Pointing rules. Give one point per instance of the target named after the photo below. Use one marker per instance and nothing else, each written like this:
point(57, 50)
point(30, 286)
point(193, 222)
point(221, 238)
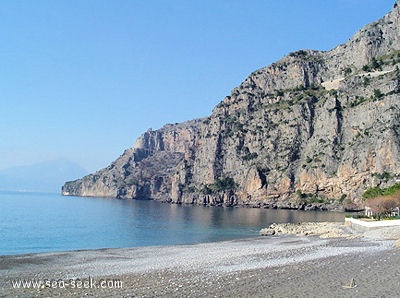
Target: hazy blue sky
point(83, 79)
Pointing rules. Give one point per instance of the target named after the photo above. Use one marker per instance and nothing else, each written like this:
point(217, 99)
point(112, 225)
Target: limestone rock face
point(313, 130)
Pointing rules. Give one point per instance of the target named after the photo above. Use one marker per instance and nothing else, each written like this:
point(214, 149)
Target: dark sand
point(282, 266)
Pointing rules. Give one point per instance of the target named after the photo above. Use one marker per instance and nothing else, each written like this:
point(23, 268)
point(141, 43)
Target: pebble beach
point(273, 266)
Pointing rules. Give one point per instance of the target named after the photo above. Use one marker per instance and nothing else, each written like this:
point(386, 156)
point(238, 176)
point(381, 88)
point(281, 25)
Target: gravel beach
point(274, 266)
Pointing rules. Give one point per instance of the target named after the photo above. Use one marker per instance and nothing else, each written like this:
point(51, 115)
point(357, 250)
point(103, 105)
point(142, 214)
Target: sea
point(44, 222)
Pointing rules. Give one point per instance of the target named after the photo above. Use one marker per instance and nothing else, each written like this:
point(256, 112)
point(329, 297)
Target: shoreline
point(32, 254)
point(277, 266)
point(242, 238)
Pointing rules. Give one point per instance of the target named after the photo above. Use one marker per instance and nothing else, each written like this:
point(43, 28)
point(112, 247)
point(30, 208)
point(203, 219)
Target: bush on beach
point(383, 206)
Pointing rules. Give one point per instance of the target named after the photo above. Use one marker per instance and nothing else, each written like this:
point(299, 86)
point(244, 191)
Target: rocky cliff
point(313, 130)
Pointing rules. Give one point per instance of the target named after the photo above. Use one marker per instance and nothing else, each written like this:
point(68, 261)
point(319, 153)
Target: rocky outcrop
point(311, 131)
point(321, 229)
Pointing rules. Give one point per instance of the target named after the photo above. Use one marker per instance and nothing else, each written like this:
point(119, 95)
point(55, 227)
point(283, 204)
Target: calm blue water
point(32, 222)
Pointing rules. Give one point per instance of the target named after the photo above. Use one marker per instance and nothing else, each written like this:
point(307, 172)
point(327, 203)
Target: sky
point(81, 80)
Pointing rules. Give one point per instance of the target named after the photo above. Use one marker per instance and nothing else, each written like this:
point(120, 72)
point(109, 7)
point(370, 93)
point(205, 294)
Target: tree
point(383, 205)
point(347, 71)
point(366, 68)
point(378, 93)
point(375, 63)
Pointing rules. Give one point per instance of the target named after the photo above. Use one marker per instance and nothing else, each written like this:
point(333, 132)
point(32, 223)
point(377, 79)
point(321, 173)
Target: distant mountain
point(46, 176)
point(312, 130)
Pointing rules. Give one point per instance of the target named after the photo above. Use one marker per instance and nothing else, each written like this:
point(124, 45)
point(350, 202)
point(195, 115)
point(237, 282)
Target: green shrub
point(391, 190)
point(378, 94)
point(250, 156)
point(375, 64)
point(355, 216)
point(386, 176)
point(372, 192)
point(308, 198)
point(333, 92)
point(342, 198)
point(220, 184)
point(366, 68)
point(347, 71)
point(300, 53)
point(376, 191)
point(357, 101)
point(225, 183)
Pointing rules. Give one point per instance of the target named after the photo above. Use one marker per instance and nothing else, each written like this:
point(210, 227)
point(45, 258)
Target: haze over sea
point(37, 222)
